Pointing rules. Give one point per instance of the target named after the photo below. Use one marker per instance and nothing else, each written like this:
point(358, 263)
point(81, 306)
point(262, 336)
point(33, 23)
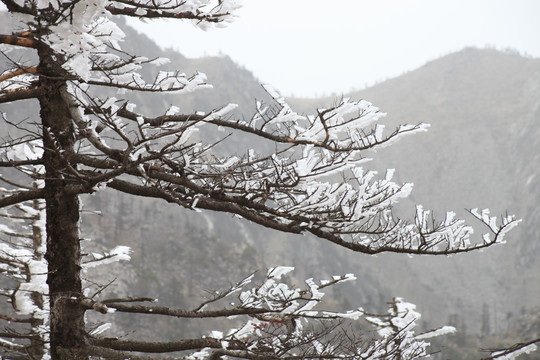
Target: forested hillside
point(483, 106)
point(482, 151)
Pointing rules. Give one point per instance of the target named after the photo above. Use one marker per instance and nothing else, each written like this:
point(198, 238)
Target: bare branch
point(15, 163)
point(156, 347)
point(18, 41)
point(15, 320)
point(22, 196)
point(133, 7)
point(160, 120)
point(181, 313)
point(128, 299)
point(21, 93)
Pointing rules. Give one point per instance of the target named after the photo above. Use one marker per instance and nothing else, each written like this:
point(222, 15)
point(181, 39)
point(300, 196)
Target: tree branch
point(15, 163)
point(19, 71)
point(245, 354)
point(159, 120)
point(331, 146)
point(272, 218)
point(160, 14)
point(181, 313)
point(156, 347)
point(22, 93)
point(128, 299)
point(206, 203)
point(18, 41)
point(17, 320)
point(17, 335)
point(21, 197)
point(509, 351)
point(122, 355)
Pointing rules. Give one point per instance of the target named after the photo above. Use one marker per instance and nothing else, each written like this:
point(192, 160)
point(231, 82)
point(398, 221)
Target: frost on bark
point(313, 181)
point(22, 261)
point(26, 267)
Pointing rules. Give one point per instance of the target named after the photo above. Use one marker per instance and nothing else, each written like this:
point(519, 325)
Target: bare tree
point(90, 141)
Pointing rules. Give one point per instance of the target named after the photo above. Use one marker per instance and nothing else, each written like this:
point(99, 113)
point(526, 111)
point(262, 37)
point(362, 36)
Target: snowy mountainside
point(482, 150)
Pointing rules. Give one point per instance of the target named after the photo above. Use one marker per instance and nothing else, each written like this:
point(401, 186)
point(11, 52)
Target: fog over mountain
point(482, 150)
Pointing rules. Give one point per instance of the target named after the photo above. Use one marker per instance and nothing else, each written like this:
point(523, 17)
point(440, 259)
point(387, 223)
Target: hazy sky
point(309, 47)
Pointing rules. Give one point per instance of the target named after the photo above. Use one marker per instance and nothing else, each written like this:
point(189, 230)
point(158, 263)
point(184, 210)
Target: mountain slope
point(481, 151)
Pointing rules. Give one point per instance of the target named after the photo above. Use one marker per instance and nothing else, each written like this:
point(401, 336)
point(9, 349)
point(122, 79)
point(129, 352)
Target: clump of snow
point(119, 253)
point(500, 355)
point(101, 329)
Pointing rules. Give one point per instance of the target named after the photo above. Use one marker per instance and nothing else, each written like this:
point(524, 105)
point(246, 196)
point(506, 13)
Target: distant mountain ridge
point(482, 150)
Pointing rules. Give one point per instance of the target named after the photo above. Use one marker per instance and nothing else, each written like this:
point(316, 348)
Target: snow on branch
point(22, 250)
point(119, 253)
point(88, 46)
point(313, 181)
point(284, 322)
point(514, 351)
point(23, 247)
point(18, 84)
point(397, 334)
point(307, 178)
point(203, 14)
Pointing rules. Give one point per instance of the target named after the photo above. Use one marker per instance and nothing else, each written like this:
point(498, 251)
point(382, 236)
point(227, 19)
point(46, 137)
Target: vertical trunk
point(62, 210)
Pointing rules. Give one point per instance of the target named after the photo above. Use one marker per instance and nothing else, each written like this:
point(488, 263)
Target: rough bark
point(62, 210)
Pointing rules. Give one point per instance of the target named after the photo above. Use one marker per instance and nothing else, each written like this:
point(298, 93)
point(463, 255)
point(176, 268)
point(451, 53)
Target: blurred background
point(470, 69)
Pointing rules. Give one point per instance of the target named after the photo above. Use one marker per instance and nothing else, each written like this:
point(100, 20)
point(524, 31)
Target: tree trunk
point(62, 210)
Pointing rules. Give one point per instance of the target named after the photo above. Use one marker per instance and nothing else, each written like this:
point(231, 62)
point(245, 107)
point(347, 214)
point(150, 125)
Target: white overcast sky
point(315, 47)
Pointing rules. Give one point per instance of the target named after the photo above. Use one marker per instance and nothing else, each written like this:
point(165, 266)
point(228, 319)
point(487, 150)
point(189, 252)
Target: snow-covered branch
point(307, 175)
point(283, 322)
point(201, 13)
point(293, 189)
point(312, 182)
point(514, 351)
point(23, 261)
